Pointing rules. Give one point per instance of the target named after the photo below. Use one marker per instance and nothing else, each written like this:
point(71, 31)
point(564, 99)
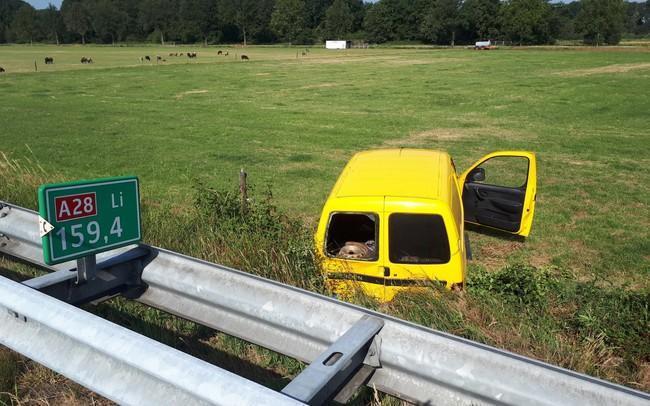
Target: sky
point(43, 3)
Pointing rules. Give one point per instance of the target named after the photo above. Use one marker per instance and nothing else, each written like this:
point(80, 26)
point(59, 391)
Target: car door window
point(505, 171)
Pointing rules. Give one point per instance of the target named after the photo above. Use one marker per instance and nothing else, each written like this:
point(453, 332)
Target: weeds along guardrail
point(394, 356)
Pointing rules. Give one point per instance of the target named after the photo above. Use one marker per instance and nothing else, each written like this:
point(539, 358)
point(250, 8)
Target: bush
point(520, 283)
point(260, 240)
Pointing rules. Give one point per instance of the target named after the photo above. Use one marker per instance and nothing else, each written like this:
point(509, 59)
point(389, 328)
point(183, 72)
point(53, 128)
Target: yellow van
point(395, 217)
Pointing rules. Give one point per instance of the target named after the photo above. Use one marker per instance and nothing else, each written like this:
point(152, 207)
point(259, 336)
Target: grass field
point(293, 121)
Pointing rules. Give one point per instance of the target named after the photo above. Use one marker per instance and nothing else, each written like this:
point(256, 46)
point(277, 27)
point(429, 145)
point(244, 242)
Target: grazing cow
point(2, 70)
point(181, 54)
point(244, 58)
point(226, 54)
point(303, 54)
point(191, 55)
point(90, 60)
point(171, 54)
point(49, 60)
point(219, 53)
point(147, 58)
point(158, 58)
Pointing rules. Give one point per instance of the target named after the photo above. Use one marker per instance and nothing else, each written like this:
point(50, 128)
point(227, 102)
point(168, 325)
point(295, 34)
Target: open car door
point(499, 191)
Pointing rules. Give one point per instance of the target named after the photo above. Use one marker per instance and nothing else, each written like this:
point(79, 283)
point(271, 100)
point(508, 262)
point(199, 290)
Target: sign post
point(81, 219)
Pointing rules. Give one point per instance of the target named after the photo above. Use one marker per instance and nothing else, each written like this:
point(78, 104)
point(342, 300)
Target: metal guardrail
point(115, 362)
point(416, 363)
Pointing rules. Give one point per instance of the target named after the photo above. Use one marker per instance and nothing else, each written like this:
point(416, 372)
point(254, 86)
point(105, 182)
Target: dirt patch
point(407, 61)
point(189, 92)
point(494, 254)
point(262, 74)
point(435, 134)
point(319, 86)
point(541, 255)
point(346, 59)
point(616, 68)
point(450, 134)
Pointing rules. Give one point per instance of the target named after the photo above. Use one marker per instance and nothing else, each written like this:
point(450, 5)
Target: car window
point(417, 239)
point(353, 236)
point(506, 171)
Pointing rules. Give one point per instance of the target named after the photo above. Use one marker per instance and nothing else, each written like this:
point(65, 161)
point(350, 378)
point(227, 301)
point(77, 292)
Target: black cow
point(219, 53)
point(49, 60)
point(147, 58)
point(244, 58)
point(86, 60)
point(2, 70)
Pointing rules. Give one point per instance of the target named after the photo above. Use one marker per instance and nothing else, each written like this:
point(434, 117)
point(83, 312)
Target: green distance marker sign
point(87, 217)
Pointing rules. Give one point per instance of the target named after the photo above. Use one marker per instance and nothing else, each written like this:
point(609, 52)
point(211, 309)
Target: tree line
point(443, 22)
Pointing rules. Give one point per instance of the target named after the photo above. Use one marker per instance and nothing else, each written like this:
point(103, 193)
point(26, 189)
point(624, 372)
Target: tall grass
point(585, 325)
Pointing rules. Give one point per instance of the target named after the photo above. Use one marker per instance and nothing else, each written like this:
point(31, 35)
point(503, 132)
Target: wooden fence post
point(243, 191)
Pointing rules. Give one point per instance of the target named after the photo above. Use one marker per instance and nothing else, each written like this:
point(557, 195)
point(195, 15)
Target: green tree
point(244, 15)
point(442, 21)
point(107, 19)
point(395, 20)
point(601, 21)
point(376, 23)
point(198, 19)
point(158, 16)
point(482, 18)
point(526, 21)
point(52, 23)
point(288, 19)
point(24, 23)
point(8, 9)
point(76, 18)
point(338, 20)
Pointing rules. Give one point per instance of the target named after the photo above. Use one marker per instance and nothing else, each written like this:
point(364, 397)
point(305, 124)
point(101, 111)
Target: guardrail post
point(332, 369)
point(86, 269)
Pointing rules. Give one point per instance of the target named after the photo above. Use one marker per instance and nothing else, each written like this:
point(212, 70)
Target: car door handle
point(386, 271)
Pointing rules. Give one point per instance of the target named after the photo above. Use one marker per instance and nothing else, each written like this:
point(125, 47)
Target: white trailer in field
point(330, 44)
point(483, 45)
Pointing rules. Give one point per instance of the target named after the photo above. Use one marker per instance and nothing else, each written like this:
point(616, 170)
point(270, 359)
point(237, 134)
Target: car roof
point(399, 172)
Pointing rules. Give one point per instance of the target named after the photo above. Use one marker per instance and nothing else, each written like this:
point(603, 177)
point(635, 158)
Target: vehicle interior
point(352, 236)
point(494, 193)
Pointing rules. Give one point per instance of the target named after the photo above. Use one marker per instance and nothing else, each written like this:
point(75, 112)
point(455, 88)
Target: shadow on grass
point(192, 343)
point(13, 275)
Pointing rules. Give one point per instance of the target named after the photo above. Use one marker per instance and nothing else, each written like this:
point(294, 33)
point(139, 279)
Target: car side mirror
point(477, 175)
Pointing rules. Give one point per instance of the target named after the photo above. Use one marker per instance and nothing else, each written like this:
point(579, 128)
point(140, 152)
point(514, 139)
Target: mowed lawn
point(293, 120)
